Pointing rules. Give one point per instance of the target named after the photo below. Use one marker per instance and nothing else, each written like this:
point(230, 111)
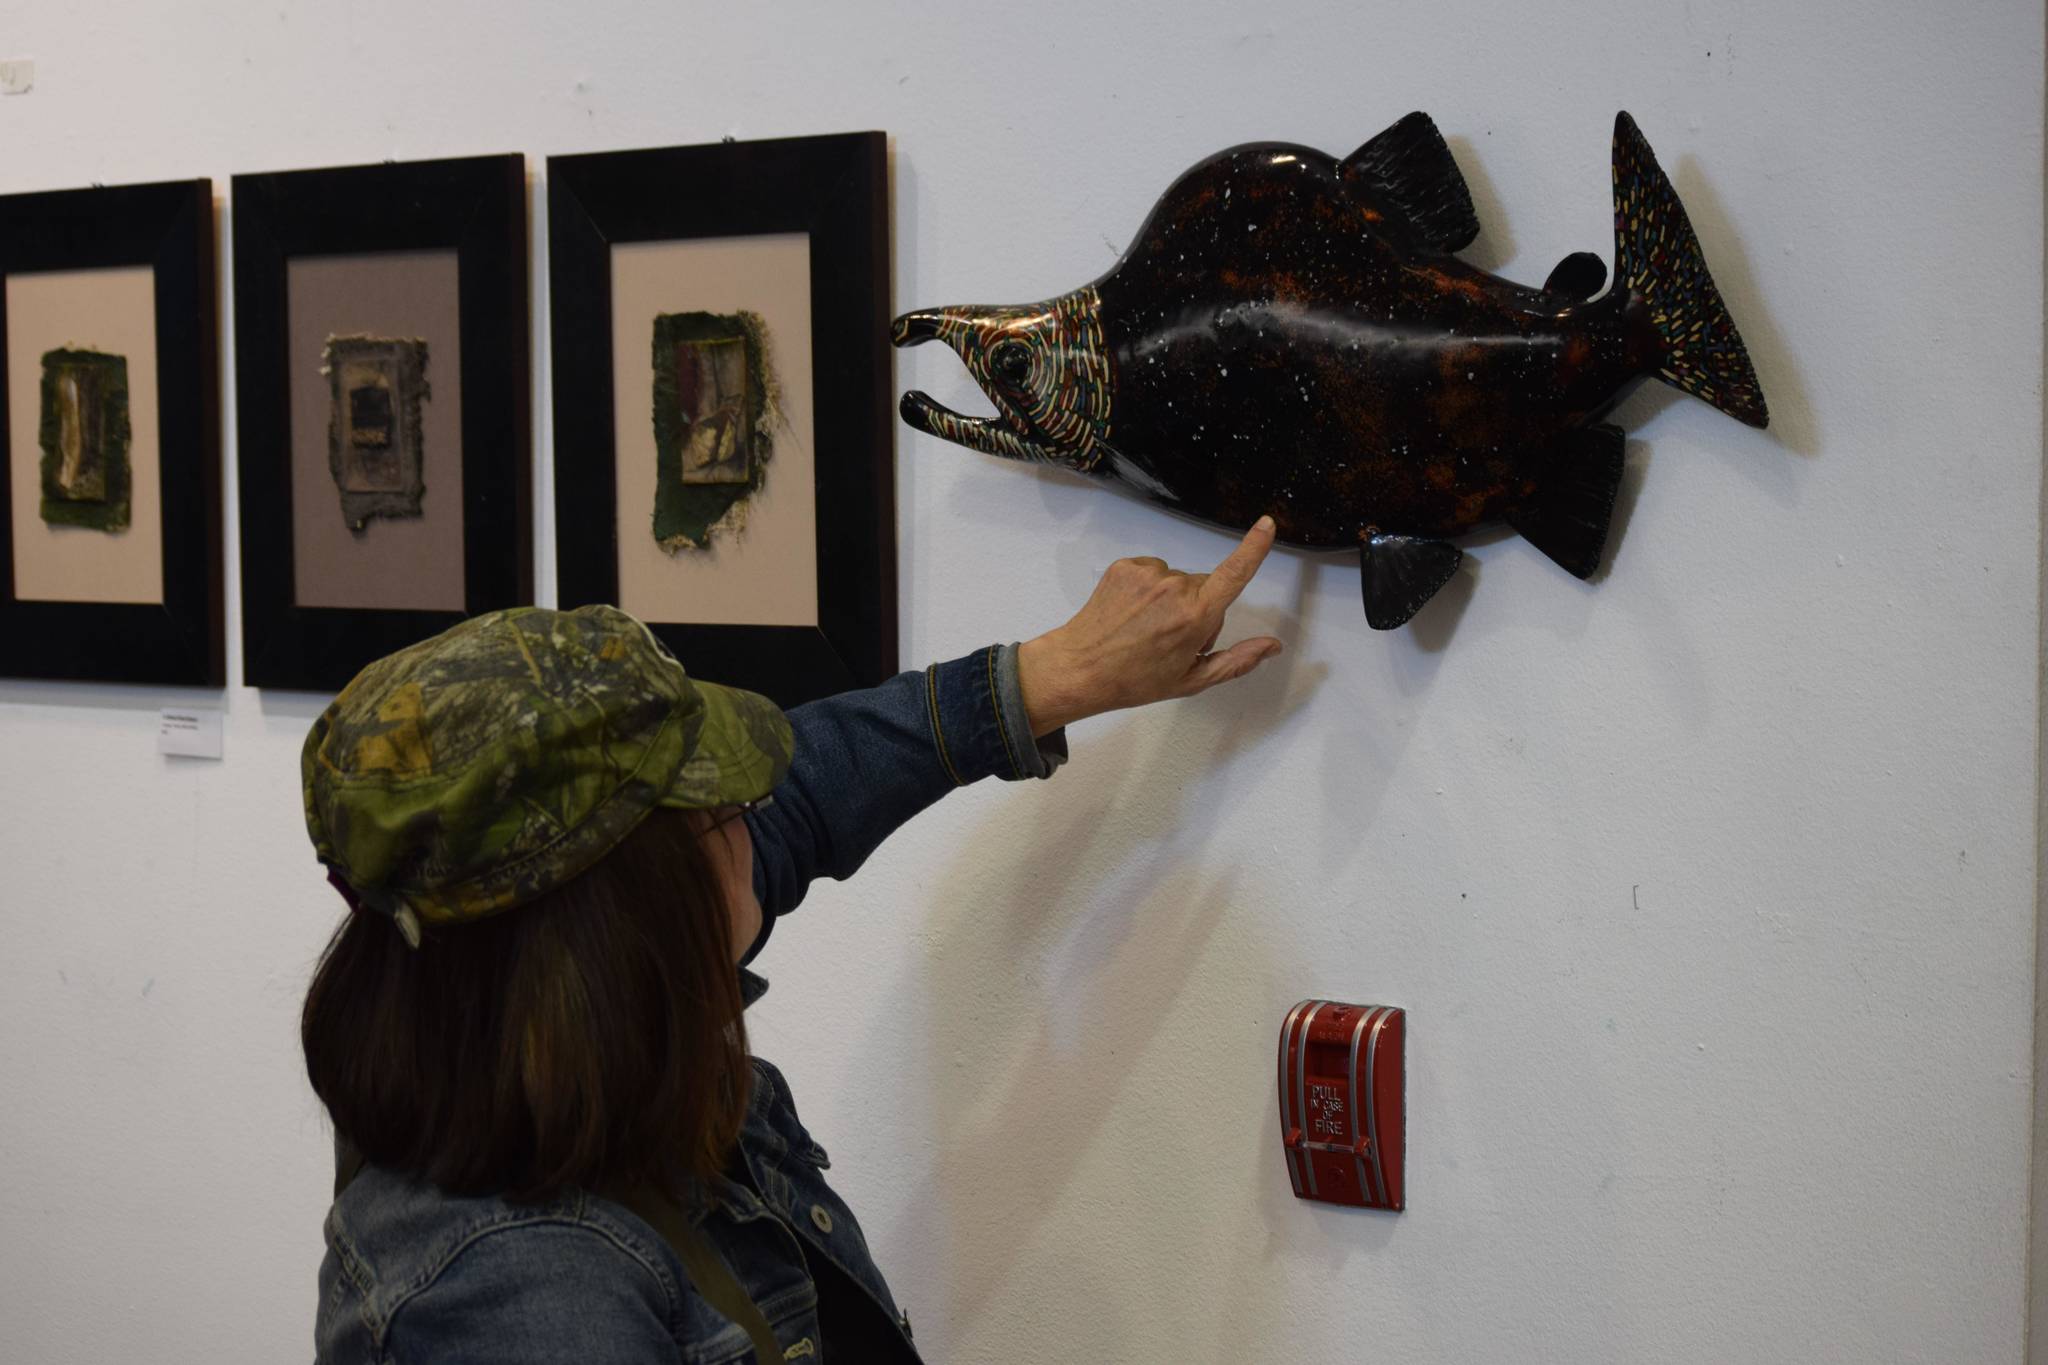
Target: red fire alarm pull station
point(1341, 1092)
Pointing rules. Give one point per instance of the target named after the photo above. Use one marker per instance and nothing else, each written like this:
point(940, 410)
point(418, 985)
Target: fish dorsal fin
point(1410, 165)
point(1568, 516)
point(1578, 277)
point(1400, 573)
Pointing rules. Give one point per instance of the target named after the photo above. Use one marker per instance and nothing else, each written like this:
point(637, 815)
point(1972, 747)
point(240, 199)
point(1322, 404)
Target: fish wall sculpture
point(1292, 334)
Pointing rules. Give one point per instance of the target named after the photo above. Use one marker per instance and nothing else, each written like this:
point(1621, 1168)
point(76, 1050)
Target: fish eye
point(1010, 361)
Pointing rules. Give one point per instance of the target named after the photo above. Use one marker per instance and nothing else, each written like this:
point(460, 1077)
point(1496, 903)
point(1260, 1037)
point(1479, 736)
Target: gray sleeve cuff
point(1034, 759)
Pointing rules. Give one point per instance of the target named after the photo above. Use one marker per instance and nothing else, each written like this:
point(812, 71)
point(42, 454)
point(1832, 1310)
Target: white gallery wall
point(1709, 885)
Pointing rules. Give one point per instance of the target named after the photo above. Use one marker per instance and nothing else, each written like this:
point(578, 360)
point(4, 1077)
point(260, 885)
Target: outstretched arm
point(867, 761)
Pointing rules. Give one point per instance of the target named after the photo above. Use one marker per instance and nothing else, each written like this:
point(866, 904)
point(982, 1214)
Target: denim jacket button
point(821, 1218)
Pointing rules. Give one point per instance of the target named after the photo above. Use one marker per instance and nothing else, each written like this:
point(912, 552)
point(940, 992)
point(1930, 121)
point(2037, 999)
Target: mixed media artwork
point(110, 456)
point(356, 286)
point(713, 392)
point(84, 439)
point(723, 461)
point(1291, 334)
point(374, 432)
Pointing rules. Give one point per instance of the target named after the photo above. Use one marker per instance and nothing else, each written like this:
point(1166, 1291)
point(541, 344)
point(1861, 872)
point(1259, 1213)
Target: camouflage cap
point(474, 771)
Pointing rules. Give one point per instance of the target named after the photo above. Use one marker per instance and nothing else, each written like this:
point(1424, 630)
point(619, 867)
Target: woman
point(551, 1141)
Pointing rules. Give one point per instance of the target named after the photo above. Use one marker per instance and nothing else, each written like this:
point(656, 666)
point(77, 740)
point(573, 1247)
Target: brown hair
point(591, 1038)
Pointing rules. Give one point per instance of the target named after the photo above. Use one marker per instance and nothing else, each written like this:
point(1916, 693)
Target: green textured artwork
point(374, 439)
point(84, 436)
point(713, 390)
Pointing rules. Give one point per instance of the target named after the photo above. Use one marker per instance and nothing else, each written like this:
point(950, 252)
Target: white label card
point(190, 733)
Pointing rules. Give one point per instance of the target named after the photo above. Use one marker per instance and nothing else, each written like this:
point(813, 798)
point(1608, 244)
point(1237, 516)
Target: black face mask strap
point(348, 1163)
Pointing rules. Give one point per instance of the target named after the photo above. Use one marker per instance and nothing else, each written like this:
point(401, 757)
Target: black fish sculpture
point(1291, 334)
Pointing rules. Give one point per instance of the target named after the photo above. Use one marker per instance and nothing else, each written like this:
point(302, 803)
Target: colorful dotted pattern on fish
point(1658, 258)
point(1048, 371)
point(1070, 378)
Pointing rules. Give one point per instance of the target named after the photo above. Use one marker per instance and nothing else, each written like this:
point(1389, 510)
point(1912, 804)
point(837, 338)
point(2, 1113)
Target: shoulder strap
point(708, 1273)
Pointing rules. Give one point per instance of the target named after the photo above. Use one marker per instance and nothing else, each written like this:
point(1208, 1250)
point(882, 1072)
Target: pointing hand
point(1146, 634)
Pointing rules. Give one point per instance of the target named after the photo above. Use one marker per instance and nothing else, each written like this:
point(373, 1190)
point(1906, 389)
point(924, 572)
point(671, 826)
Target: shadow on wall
point(1056, 959)
point(1793, 424)
point(143, 700)
point(1494, 247)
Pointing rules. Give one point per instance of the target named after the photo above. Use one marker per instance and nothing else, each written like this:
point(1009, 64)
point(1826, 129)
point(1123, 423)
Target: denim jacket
point(413, 1274)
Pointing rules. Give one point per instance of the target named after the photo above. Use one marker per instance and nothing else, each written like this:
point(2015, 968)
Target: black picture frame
point(475, 205)
point(834, 188)
point(168, 226)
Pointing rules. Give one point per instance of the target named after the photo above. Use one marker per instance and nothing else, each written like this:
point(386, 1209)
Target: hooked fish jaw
point(989, 435)
point(1042, 366)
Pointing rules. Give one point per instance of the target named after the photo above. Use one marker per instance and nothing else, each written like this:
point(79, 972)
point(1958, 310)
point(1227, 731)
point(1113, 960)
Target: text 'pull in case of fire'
point(1342, 1084)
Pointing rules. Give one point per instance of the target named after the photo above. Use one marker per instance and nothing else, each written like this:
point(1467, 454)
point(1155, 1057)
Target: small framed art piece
point(110, 508)
point(724, 467)
point(381, 386)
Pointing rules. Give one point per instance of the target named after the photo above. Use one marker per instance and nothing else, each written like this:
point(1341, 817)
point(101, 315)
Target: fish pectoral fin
point(1400, 573)
point(1569, 514)
point(1410, 166)
point(1578, 277)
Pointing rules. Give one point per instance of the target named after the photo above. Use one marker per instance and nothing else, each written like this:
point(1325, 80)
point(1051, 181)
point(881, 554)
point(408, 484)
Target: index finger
point(1223, 586)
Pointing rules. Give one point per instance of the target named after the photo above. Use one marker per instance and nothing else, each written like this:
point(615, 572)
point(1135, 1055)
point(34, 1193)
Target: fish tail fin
point(1657, 257)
